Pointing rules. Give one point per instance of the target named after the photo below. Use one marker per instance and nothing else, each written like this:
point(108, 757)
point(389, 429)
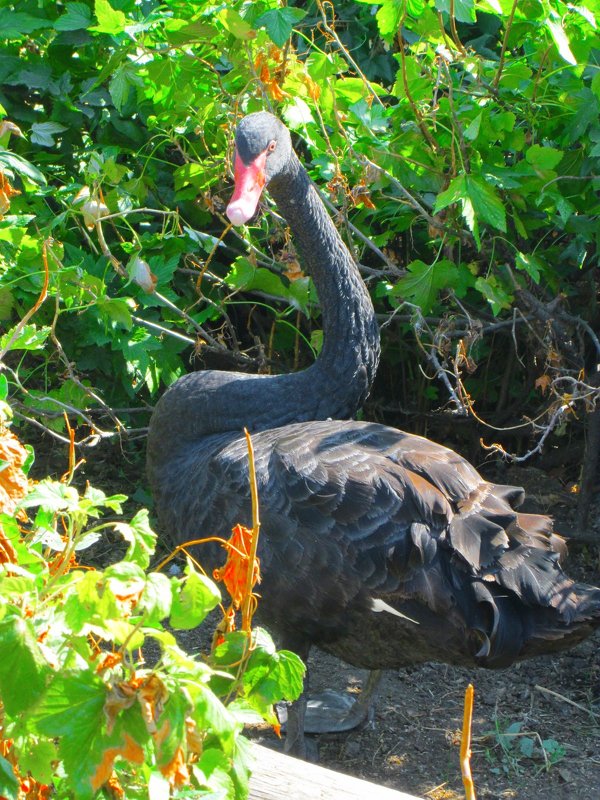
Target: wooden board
point(279, 777)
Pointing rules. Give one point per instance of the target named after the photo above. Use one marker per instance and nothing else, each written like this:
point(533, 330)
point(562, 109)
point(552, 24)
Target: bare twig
point(567, 700)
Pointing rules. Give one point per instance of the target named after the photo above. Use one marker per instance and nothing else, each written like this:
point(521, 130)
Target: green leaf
point(270, 676)
point(389, 17)
point(215, 766)
point(464, 10)
point(109, 20)
point(77, 16)
point(72, 705)
point(140, 538)
point(157, 598)
point(561, 41)
point(73, 711)
point(478, 200)
point(115, 310)
point(279, 23)
point(244, 275)
point(7, 302)
point(16, 24)
point(209, 713)
point(193, 599)
point(88, 605)
point(373, 117)
point(543, 157)
point(38, 759)
point(52, 495)
point(425, 281)
point(235, 24)
point(125, 580)
point(23, 669)
point(21, 166)
point(472, 129)
point(494, 293)
point(120, 87)
point(486, 202)
point(526, 746)
point(530, 264)
point(30, 337)
point(9, 783)
point(43, 132)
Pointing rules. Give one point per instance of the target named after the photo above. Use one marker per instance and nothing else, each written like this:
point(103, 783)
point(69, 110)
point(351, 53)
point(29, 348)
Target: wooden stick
point(249, 604)
point(465, 745)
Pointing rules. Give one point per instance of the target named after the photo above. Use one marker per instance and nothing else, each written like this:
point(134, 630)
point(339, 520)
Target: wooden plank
point(276, 776)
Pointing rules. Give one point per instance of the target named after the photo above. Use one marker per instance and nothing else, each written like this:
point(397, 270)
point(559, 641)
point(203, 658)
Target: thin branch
point(333, 37)
point(412, 201)
point(509, 23)
point(416, 111)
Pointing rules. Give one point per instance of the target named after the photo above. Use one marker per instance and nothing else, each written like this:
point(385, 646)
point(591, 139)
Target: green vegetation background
point(457, 143)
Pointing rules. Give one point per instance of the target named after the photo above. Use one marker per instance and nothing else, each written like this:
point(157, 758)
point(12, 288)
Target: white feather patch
point(379, 605)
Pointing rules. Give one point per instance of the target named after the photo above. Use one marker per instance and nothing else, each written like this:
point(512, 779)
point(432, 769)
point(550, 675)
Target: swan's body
point(378, 546)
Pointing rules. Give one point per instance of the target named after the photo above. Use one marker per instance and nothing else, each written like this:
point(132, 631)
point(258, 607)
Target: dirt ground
point(413, 745)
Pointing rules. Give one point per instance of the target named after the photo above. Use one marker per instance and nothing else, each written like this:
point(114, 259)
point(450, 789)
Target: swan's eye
point(271, 146)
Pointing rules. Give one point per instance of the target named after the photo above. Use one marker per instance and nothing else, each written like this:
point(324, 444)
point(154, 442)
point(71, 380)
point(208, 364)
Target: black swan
point(378, 546)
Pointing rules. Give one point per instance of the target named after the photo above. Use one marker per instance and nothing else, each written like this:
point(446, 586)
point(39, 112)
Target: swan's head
point(262, 151)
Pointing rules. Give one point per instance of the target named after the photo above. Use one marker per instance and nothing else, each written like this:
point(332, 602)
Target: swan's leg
point(334, 712)
point(296, 743)
point(327, 712)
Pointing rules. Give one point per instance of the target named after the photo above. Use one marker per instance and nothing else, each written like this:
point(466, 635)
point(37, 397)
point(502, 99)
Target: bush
point(82, 712)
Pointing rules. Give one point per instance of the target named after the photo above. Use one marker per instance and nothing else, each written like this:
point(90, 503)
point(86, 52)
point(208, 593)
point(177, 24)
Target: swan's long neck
point(337, 383)
point(348, 360)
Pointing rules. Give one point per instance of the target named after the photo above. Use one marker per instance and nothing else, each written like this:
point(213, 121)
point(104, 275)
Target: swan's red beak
point(249, 182)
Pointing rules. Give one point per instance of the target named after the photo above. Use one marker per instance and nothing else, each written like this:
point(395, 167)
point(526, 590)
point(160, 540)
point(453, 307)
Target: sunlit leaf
point(28, 337)
point(561, 41)
point(44, 132)
point(543, 157)
point(52, 495)
point(193, 599)
point(463, 10)
point(110, 20)
point(140, 538)
point(24, 672)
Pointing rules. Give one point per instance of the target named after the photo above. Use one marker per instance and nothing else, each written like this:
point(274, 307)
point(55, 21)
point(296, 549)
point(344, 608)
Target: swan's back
point(357, 516)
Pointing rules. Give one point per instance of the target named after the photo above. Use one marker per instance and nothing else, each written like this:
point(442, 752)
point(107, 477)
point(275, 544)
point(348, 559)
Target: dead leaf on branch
point(6, 192)
point(13, 482)
point(234, 573)
point(543, 382)
point(129, 749)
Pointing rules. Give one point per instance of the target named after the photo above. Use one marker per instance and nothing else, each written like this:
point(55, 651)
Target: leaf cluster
point(459, 142)
point(81, 709)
